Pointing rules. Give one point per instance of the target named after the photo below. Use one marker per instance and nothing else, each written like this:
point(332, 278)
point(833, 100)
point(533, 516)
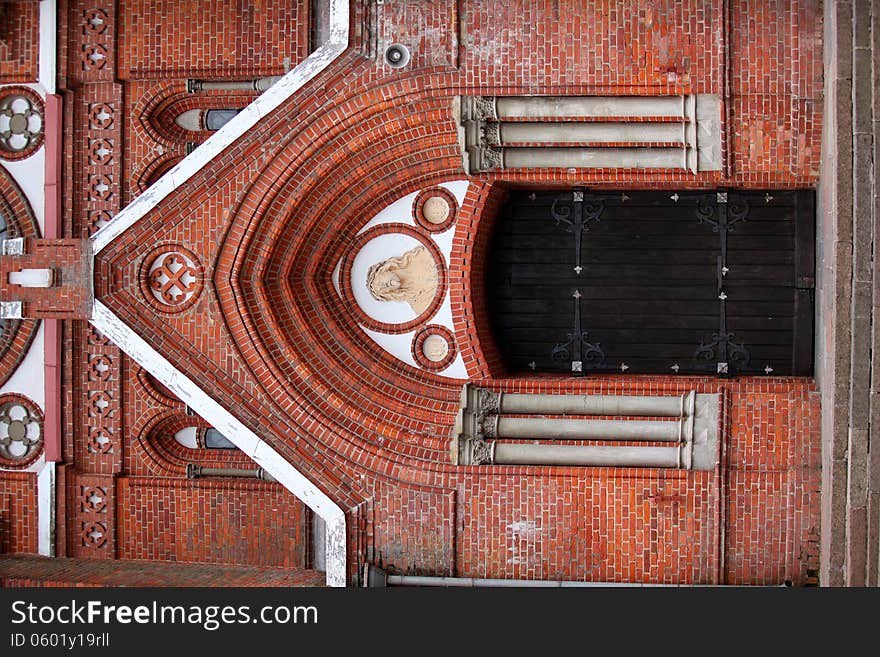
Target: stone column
point(573, 132)
point(481, 452)
point(499, 426)
point(652, 457)
point(640, 405)
point(486, 415)
point(513, 132)
point(195, 471)
point(518, 107)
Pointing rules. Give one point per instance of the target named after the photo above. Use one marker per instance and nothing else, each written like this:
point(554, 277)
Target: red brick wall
point(271, 217)
point(401, 541)
point(18, 513)
point(776, 90)
point(754, 520)
point(40, 571)
point(241, 522)
point(19, 41)
point(214, 38)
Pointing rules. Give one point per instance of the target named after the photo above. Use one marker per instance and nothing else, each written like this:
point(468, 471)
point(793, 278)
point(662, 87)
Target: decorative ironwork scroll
point(578, 348)
point(722, 348)
point(576, 218)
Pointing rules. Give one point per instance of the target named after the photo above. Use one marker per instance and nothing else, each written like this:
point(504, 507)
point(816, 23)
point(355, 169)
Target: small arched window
point(216, 440)
point(196, 438)
point(217, 118)
point(198, 120)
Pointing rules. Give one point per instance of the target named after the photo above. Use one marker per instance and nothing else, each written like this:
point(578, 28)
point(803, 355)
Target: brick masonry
point(18, 513)
point(23, 571)
point(19, 42)
point(269, 220)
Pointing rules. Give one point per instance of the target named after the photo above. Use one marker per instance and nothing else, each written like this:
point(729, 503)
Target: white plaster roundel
point(378, 250)
point(435, 348)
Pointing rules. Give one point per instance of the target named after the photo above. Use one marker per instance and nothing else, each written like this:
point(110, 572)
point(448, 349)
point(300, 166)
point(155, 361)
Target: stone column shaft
point(509, 107)
point(593, 158)
point(679, 406)
point(656, 457)
point(565, 429)
point(254, 84)
point(589, 132)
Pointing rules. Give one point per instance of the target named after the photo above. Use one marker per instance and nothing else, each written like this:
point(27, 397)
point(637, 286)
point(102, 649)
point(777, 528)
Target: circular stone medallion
point(435, 209)
point(435, 348)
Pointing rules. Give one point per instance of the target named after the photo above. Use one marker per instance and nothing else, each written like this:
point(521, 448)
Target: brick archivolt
point(17, 335)
point(316, 168)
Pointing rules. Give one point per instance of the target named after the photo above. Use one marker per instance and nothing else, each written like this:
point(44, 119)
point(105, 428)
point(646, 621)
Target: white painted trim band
point(157, 365)
point(46, 510)
point(46, 66)
point(264, 104)
point(226, 423)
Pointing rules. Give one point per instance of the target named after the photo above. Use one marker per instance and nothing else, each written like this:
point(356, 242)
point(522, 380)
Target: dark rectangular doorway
point(655, 282)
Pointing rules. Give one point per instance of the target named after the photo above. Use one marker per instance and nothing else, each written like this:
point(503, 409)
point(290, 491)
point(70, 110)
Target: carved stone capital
point(478, 108)
point(490, 158)
point(489, 402)
point(486, 426)
point(482, 453)
point(490, 134)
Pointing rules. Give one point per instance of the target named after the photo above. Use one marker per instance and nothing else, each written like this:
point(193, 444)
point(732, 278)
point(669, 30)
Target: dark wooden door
point(655, 282)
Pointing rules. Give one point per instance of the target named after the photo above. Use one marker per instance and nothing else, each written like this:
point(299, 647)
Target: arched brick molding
point(157, 447)
point(155, 170)
point(158, 110)
point(398, 393)
point(470, 250)
point(17, 335)
point(158, 392)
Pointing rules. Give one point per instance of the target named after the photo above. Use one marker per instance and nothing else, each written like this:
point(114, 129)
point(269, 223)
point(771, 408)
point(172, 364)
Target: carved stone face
point(411, 277)
point(386, 281)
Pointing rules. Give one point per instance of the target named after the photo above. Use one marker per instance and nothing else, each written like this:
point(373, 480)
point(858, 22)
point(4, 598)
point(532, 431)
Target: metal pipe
point(376, 577)
point(653, 457)
point(679, 406)
point(415, 580)
point(565, 429)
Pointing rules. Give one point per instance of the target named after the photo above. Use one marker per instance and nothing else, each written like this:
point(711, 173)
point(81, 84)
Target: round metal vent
point(397, 55)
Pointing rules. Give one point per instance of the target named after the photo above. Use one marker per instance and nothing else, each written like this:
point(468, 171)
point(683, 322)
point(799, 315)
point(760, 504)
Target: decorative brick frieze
point(92, 41)
point(91, 518)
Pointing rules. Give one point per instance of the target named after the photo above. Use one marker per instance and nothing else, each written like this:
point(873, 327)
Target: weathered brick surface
point(247, 523)
point(40, 571)
point(214, 38)
point(18, 513)
point(270, 218)
point(19, 42)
